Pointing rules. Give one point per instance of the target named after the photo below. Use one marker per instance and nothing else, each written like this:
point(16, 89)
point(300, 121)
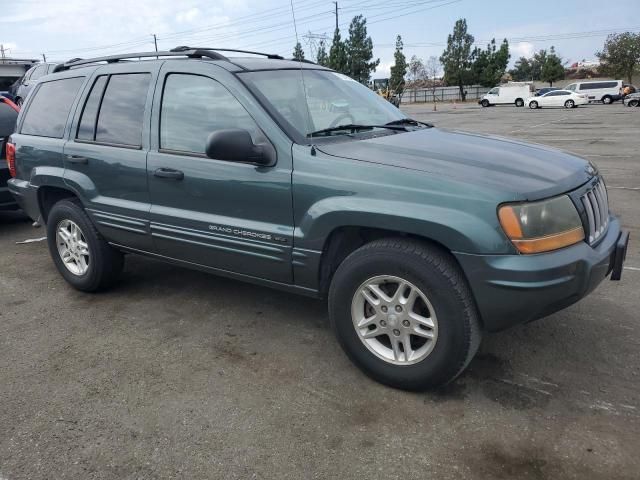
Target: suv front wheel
point(404, 314)
point(81, 255)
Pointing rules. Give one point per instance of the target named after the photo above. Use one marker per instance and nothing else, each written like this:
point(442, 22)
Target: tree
point(321, 57)
point(620, 55)
point(456, 58)
point(522, 70)
point(432, 70)
point(399, 68)
point(416, 69)
point(337, 54)
point(537, 62)
point(298, 52)
point(359, 49)
point(552, 69)
point(489, 65)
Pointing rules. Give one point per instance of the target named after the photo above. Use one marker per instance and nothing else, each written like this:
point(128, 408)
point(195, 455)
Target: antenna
point(304, 87)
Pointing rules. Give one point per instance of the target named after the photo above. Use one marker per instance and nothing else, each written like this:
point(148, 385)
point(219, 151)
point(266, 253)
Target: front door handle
point(169, 173)
point(77, 159)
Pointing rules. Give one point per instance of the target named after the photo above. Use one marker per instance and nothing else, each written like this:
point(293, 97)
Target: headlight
point(542, 226)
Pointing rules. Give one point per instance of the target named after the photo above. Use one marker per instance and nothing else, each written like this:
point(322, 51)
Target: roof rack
point(303, 60)
point(182, 51)
point(233, 50)
point(191, 53)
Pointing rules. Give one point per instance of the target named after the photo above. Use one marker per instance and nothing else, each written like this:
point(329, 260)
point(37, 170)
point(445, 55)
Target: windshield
point(331, 99)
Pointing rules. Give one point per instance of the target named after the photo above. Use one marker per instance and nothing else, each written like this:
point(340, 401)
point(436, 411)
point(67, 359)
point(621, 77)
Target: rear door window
point(121, 113)
point(49, 108)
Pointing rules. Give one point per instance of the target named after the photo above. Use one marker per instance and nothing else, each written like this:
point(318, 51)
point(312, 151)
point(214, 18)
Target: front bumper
point(515, 289)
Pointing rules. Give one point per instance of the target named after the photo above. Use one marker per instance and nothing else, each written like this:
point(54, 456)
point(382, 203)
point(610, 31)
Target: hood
point(528, 171)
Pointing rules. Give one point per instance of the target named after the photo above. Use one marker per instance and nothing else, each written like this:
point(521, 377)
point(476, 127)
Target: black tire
point(634, 103)
point(519, 102)
point(485, 103)
point(607, 100)
point(569, 104)
point(105, 262)
point(434, 272)
point(533, 105)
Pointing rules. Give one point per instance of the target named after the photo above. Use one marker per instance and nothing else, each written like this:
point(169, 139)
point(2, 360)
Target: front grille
point(596, 205)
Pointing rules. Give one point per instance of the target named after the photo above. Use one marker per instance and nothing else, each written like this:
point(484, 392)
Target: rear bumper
point(515, 289)
point(7, 202)
point(26, 197)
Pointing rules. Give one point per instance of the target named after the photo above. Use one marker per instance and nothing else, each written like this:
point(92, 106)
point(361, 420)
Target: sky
point(64, 29)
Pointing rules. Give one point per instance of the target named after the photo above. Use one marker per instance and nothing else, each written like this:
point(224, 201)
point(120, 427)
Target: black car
point(8, 116)
point(542, 91)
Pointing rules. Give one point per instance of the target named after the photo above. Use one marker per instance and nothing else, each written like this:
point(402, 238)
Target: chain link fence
point(442, 94)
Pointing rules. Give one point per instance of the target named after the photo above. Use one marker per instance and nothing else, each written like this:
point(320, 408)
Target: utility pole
point(155, 41)
point(44, 58)
point(2, 51)
point(336, 4)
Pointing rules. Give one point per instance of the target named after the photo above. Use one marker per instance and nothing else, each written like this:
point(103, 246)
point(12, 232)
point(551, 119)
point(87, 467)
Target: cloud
point(188, 16)
point(521, 49)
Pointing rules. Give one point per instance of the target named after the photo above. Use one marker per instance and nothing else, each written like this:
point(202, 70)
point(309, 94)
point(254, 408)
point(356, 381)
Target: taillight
point(11, 158)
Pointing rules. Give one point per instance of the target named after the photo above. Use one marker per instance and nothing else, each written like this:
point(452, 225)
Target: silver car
point(632, 100)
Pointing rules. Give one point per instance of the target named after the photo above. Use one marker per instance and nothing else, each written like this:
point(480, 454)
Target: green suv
point(290, 175)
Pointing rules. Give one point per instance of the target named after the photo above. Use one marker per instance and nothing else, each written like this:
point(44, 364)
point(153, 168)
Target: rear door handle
point(77, 159)
point(169, 173)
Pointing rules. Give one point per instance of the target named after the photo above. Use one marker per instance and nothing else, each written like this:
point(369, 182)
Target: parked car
point(514, 93)
point(542, 91)
point(605, 91)
point(420, 238)
point(8, 116)
point(632, 100)
point(29, 79)
point(558, 98)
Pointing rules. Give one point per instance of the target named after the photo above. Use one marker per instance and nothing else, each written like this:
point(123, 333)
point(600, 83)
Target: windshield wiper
point(353, 128)
point(408, 121)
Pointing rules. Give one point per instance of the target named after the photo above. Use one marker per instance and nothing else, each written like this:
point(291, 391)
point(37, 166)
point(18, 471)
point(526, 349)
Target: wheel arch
point(49, 195)
point(344, 240)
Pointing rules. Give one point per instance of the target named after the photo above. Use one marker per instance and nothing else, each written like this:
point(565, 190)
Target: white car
point(558, 98)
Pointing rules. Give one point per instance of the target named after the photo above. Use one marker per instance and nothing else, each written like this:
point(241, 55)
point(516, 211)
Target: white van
point(605, 91)
point(512, 93)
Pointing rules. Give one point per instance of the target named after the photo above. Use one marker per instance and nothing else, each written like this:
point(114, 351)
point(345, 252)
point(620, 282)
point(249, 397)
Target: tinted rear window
point(122, 110)
point(49, 109)
point(598, 85)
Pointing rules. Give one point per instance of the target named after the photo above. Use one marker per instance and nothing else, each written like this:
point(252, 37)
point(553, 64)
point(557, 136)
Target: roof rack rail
point(188, 52)
point(183, 48)
point(303, 60)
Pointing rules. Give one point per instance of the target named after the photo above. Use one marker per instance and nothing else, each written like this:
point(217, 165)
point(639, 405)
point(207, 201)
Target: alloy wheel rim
point(394, 319)
point(72, 247)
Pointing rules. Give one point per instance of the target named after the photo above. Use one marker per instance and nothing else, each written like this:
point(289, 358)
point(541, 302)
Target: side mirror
point(236, 145)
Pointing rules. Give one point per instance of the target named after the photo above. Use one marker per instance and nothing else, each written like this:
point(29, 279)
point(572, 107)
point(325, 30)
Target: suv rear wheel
point(81, 255)
point(404, 314)
point(519, 102)
point(607, 100)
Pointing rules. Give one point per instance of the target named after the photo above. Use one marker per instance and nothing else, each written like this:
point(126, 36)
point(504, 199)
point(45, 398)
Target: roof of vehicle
point(255, 60)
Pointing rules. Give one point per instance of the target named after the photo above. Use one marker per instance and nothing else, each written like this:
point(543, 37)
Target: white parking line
point(633, 269)
point(623, 188)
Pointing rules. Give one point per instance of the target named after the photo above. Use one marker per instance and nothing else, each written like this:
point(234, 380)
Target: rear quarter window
point(48, 110)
